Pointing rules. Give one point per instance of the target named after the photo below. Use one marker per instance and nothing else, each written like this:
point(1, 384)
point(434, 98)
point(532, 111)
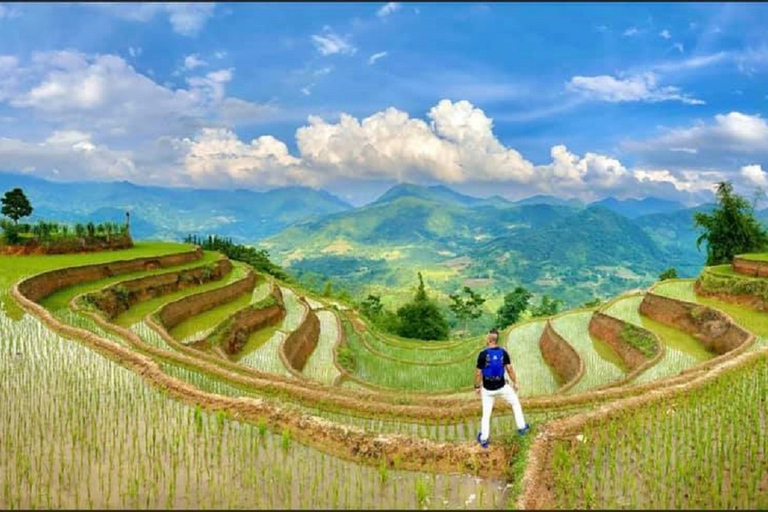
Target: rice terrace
point(272, 256)
point(162, 375)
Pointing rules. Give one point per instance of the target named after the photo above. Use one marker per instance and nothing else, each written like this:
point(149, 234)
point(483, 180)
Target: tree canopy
point(731, 228)
point(515, 302)
point(16, 205)
point(421, 318)
point(466, 305)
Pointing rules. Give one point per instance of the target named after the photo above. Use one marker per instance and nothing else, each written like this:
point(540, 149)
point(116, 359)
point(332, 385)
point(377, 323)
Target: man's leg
point(488, 398)
point(511, 397)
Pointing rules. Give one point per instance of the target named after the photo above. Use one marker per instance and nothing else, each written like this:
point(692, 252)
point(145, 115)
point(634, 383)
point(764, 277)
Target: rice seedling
point(535, 376)
point(574, 328)
point(320, 365)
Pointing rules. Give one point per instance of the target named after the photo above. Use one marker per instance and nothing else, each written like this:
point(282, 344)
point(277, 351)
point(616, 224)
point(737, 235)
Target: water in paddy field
point(79, 431)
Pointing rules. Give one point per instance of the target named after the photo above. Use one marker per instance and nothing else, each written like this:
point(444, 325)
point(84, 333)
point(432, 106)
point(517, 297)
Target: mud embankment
point(173, 313)
point(610, 329)
point(561, 356)
point(40, 286)
point(232, 335)
point(118, 298)
point(299, 345)
point(750, 267)
point(716, 330)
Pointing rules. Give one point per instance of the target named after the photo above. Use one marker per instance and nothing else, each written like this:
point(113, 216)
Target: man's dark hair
point(494, 331)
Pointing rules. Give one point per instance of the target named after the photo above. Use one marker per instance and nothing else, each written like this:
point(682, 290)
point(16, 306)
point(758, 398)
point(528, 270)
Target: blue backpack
point(494, 364)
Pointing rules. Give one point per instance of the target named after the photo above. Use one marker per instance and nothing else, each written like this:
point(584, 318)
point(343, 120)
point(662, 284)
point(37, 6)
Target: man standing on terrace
point(490, 383)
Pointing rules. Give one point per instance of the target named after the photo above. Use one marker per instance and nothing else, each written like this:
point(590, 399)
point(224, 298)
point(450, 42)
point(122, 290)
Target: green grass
point(320, 365)
point(754, 256)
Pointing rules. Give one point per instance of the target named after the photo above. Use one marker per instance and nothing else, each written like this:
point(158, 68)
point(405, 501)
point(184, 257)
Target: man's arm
point(512, 376)
point(478, 379)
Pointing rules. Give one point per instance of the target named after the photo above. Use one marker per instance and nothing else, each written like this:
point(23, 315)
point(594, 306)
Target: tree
point(547, 307)
point(328, 289)
point(466, 308)
point(731, 228)
point(670, 273)
point(592, 303)
point(371, 306)
point(421, 318)
point(515, 302)
point(16, 205)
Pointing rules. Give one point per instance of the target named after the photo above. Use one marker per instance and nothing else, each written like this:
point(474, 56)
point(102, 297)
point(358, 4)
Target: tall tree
point(466, 305)
point(515, 302)
point(731, 228)
point(547, 307)
point(421, 318)
point(16, 205)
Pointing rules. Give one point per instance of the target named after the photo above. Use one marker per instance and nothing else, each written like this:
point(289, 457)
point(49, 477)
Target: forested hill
point(172, 213)
point(564, 248)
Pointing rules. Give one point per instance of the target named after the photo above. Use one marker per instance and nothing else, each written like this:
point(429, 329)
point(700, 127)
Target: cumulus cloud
point(193, 61)
point(641, 87)
point(632, 31)
point(186, 18)
point(376, 56)
point(67, 155)
point(456, 145)
point(733, 133)
point(330, 43)
point(217, 157)
point(387, 9)
point(104, 94)
point(665, 34)
point(755, 175)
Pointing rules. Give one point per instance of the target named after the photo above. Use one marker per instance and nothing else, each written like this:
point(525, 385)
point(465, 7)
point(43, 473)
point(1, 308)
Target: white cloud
point(67, 155)
point(330, 43)
point(387, 9)
point(134, 52)
point(323, 71)
point(193, 61)
point(216, 157)
point(376, 56)
point(306, 91)
point(641, 87)
point(455, 146)
point(665, 34)
point(728, 141)
point(104, 94)
point(632, 31)
point(186, 18)
point(220, 54)
point(755, 175)
point(679, 47)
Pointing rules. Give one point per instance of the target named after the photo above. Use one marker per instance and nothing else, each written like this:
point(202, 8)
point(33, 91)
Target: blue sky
point(574, 100)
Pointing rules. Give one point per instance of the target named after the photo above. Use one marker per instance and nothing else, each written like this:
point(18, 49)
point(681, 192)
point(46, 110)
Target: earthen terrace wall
point(173, 313)
point(717, 332)
point(749, 267)
point(109, 299)
point(608, 329)
point(300, 344)
point(561, 356)
point(40, 286)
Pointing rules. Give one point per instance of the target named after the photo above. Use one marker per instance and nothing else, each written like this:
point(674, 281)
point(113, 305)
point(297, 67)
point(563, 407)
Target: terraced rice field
point(599, 370)
point(681, 350)
point(80, 430)
point(533, 373)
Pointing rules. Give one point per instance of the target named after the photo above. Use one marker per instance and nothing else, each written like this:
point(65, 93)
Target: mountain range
point(562, 247)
